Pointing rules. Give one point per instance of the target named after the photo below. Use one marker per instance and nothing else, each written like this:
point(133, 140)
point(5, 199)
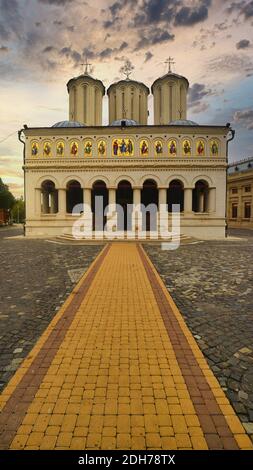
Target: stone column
point(38, 201)
point(62, 201)
point(45, 202)
point(187, 200)
point(112, 213)
point(136, 215)
point(201, 201)
point(87, 214)
point(212, 200)
point(54, 208)
point(162, 224)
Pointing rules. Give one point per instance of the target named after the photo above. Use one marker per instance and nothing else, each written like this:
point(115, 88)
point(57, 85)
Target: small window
point(234, 191)
point(247, 189)
point(234, 211)
point(247, 210)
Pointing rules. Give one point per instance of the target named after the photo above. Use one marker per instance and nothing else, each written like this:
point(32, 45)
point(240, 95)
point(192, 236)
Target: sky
point(43, 43)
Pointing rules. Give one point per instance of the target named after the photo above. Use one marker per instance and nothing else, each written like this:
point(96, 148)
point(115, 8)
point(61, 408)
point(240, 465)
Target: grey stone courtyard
point(211, 283)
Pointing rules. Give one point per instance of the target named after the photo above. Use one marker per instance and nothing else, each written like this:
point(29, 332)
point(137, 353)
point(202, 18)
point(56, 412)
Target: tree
point(7, 200)
point(18, 211)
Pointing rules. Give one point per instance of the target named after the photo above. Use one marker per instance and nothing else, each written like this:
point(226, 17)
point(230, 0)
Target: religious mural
point(47, 149)
point(187, 147)
point(60, 149)
point(35, 149)
point(172, 147)
point(158, 147)
point(200, 147)
point(143, 147)
point(73, 148)
point(214, 148)
point(101, 147)
point(88, 148)
point(122, 147)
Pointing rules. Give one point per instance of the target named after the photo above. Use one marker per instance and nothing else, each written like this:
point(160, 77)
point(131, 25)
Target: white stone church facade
point(173, 161)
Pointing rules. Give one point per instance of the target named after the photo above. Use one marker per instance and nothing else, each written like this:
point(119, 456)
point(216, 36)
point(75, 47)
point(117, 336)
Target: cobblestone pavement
point(117, 368)
point(35, 278)
point(211, 283)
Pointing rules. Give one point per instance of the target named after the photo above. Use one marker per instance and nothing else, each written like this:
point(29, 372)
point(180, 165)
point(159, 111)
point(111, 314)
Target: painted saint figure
point(60, 149)
point(88, 148)
point(214, 148)
point(130, 147)
point(47, 149)
point(35, 149)
point(74, 148)
point(200, 148)
point(172, 147)
point(144, 147)
point(158, 147)
point(115, 147)
point(101, 147)
point(123, 147)
point(187, 147)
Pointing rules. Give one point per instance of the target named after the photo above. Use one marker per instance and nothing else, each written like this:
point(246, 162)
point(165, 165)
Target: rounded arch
point(205, 178)
point(124, 178)
point(175, 194)
point(180, 178)
point(98, 177)
point(74, 194)
point(45, 178)
point(72, 177)
point(150, 177)
point(49, 195)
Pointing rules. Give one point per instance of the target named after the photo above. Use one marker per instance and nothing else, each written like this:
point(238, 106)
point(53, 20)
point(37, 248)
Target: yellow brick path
point(115, 382)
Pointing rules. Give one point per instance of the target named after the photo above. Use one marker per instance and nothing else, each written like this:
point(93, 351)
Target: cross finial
point(170, 61)
point(87, 65)
point(127, 69)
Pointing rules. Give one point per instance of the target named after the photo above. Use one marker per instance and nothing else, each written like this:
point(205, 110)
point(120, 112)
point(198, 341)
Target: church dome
point(183, 122)
point(68, 124)
point(124, 122)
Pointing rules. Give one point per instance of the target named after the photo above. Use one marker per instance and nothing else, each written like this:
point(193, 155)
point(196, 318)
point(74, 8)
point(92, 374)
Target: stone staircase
point(67, 237)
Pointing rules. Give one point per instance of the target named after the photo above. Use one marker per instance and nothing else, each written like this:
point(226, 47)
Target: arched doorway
point(200, 196)
point(74, 195)
point(175, 194)
point(124, 197)
point(149, 197)
point(99, 201)
point(49, 198)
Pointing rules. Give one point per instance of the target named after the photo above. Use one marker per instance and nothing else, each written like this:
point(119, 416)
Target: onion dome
point(183, 122)
point(68, 124)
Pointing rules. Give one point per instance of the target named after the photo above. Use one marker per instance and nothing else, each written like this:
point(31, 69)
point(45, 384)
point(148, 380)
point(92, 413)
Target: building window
point(234, 211)
point(247, 210)
point(247, 189)
point(234, 190)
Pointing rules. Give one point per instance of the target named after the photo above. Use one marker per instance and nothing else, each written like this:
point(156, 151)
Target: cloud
point(200, 108)
point(123, 45)
point(48, 49)
point(12, 21)
point(196, 93)
point(56, 2)
point(156, 36)
point(148, 56)
point(244, 8)
point(231, 63)
point(243, 44)
point(71, 54)
point(188, 16)
point(4, 49)
point(245, 118)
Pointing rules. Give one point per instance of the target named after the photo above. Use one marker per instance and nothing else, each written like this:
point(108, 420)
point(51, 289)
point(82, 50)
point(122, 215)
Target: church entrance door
point(149, 195)
point(124, 197)
point(99, 201)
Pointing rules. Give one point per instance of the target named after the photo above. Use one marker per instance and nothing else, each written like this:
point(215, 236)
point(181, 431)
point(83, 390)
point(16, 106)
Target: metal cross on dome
point(87, 65)
point(170, 61)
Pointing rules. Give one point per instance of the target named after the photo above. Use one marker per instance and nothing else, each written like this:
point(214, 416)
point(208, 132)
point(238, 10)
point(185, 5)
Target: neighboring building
point(240, 194)
point(172, 161)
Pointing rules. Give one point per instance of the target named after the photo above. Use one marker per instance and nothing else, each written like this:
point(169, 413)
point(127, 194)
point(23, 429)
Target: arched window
point(200, 197)
point(49, 198)
point(74, 195)
point(175, 195)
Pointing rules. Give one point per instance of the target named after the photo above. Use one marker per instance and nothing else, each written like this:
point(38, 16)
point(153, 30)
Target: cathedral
point(128, 163)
